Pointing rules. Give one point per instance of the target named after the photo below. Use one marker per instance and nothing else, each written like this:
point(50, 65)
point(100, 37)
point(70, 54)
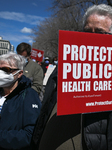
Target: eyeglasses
point(99, 32)
point(8, 70)
point(105, 33)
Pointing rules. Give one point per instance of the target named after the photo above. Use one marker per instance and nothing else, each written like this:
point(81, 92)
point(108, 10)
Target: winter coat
point(18, 117)
point(34, 72)
point(92, 131)
point(54, 132)
point(97, 131)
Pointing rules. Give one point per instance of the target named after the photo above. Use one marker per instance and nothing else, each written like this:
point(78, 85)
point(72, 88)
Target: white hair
point(13, 59)
point(102, 10)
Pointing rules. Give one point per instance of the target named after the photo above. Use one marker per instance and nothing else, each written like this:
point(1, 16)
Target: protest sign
point(84, 72)
point(37, 54)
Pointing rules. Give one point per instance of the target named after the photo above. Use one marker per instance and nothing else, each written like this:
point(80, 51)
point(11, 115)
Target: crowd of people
point(24, 96)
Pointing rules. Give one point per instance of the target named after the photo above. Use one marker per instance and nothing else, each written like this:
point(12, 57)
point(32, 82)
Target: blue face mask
point(47, 61)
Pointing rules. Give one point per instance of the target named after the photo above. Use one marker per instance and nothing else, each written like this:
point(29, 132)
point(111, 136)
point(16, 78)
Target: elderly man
point(97, 127)
point(64, 131)
point(98, 19)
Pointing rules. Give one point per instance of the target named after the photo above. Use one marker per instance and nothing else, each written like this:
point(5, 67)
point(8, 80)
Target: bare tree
point(46, 38)
point(67, 15)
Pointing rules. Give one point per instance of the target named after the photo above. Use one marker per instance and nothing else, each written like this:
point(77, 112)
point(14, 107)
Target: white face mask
point(7, 79)
point(55, 62)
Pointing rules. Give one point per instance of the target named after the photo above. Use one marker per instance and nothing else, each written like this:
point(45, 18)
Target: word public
point(86, 62)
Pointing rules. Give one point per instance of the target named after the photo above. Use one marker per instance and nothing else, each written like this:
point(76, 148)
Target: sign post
point(84, 73)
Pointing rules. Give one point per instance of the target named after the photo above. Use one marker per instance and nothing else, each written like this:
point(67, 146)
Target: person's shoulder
point(34, 63)
point(31, 93)
point(31, 90)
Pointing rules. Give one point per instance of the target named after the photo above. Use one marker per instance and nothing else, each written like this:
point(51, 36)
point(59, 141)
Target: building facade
point(5, 46)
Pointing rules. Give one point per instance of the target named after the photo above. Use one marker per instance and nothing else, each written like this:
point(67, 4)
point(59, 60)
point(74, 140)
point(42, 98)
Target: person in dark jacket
point(19, 104)
point(32, 70)
point(97, 127)
point(54, 132)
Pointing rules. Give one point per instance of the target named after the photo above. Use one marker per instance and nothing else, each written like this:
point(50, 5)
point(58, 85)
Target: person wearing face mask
point(19, 104)
point(55, 60)
point(32, 70)
point(46, 61)
point(45, 64)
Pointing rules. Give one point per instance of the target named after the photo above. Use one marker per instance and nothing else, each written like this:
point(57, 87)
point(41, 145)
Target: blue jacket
point(18, 117)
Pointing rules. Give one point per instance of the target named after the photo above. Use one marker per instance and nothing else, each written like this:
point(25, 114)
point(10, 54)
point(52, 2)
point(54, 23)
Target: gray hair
point(102, 10)
point(13, 59)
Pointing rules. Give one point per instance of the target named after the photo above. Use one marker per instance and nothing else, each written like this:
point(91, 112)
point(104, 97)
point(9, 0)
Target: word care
point(90, 64)
point(86, 86)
